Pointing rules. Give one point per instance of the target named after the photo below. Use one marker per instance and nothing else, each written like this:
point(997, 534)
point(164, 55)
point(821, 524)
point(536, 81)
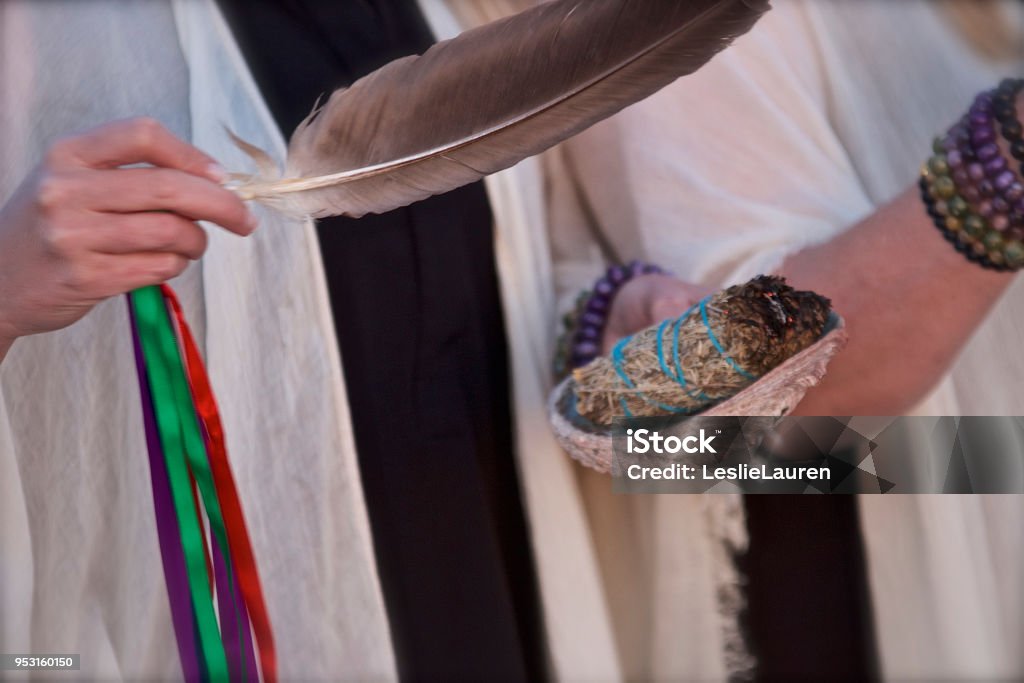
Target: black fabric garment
point(808, 608)
point(418, 318)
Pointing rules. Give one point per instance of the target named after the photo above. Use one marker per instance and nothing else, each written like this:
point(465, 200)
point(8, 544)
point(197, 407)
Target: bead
point(1014, 253)
point(944, 187)
point(603, 287)
point(979, 119)
point(993, 241)
point(592, 319)
point(939, 165)
point(586, 348)
point(985, 208)
point(995, 166)
point(939, 146)
point(996, 257)
point(958, 207)
point(636, 268)
point(954, 224)
point(987, 188)
point(975, 226)
point(978, 248)
point(1000, 205)
point(1012, 130)
point(616, 275)
point(1000, 222)
point(983, 135)
point(955, 159)
point(976, 171)
point(1014, 192)
point(589, 333)
point(1008, 85)
point(988, 152)
point(597, 304)
point(941, 208)
point(960, 177)
point(1016, 218)
point(650, 268)
point(1004, 180)
point(1017, 150)
point(971, 194)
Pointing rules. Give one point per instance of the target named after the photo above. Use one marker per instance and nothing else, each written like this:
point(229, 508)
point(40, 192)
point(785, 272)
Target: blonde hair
point(995, 28)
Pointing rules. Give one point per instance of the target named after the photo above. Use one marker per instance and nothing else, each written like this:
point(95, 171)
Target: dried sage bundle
point(716, 349)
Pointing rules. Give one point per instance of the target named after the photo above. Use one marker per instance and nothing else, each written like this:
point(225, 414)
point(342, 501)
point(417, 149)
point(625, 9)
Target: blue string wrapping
point(677, 376)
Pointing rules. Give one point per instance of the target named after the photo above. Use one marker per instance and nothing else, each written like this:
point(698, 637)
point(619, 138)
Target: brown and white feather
point(491, 97)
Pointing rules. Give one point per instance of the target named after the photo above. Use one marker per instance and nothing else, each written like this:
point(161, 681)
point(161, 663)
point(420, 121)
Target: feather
point(490, 97)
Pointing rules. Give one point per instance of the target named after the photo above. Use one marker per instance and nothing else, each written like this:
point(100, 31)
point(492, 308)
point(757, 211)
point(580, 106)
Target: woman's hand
point(646, 300)
point(81, 229)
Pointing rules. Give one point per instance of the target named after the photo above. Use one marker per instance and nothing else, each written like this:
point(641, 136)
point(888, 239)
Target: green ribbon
point(184, 448)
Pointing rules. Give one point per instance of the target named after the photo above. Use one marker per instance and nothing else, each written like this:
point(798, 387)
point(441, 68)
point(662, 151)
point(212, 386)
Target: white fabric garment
point(811, 122)
point(80, 568)
point(79, 560)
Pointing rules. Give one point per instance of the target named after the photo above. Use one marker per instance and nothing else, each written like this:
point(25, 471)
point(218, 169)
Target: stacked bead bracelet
point(973, 195)
point(584, 326)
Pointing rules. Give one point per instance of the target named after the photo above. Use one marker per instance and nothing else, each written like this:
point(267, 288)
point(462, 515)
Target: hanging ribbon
point(238, 534)
point(189, 442)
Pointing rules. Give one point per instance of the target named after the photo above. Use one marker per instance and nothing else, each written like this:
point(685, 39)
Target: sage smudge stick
point(711, 353)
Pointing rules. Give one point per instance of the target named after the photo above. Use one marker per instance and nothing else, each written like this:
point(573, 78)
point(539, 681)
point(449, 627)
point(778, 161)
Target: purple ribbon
point(171, 552)
point(234, 622)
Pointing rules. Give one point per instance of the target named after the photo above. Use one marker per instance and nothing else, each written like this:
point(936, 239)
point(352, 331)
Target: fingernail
point(217, 173)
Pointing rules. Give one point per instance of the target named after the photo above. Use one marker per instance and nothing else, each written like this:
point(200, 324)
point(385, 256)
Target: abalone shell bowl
point(773, 395)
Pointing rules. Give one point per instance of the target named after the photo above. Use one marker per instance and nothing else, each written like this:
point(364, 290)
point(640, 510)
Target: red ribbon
point(234, 519)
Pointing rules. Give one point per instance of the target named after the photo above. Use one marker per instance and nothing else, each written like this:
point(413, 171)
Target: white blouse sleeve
point(724, 173)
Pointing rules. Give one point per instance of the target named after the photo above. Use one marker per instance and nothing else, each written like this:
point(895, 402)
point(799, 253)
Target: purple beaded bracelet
point(978, 167)
point(593, 316)
point(972, 194)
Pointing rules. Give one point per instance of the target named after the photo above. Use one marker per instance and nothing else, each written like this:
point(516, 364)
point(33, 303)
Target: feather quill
point(487, 99)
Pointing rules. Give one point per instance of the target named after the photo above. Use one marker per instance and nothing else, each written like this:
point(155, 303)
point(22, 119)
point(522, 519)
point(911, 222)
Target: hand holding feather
point(487, 99)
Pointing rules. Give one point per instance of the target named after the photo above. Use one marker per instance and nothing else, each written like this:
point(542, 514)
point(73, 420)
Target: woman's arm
point(910, 300)
point(81, 229)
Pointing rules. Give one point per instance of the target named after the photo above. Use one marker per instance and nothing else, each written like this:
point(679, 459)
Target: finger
point(159, 189)
point(110, 233)
point(135, 141)
point(120, 274)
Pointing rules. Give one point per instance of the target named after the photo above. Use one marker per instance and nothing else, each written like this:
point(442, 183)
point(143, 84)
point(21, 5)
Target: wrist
point(972, 186)
point(585, 326)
